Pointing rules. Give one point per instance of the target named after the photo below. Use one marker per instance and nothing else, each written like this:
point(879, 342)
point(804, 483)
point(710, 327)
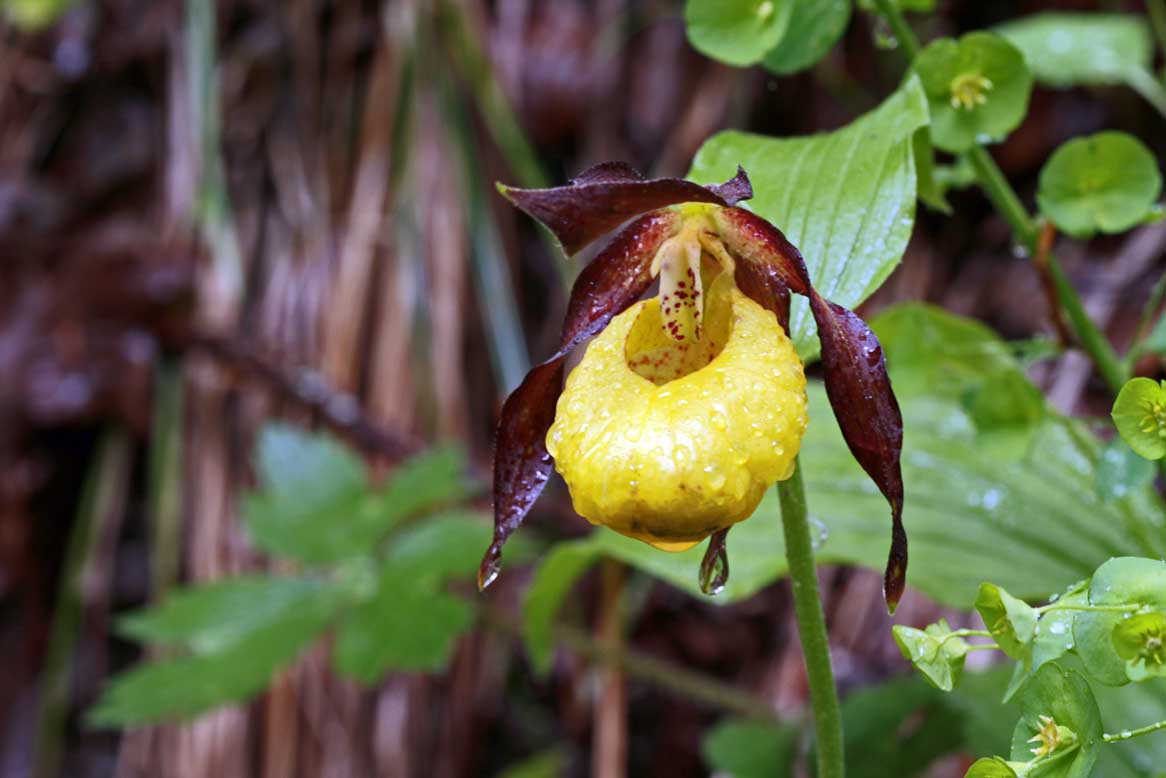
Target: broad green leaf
point(846, 198)
point(1054, 631)
point(34, 14)
point(1006, 409)
point(447, 546)
point(1121, 471)
point(738, 32)
point(1012, 622)
point(558, 572)
point(1124, 581)
point(1059, 704)
point(916, 6)
point(749, 748)
point(316, 505)
point(1079, 49)
point(213, 617)
point(977, 89)
point(933, 652)
point(813, 30)
point(1139, 413)
point(186, 686)
point(1100, 183)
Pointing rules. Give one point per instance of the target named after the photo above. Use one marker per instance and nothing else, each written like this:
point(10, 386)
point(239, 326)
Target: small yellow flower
point(668, 441)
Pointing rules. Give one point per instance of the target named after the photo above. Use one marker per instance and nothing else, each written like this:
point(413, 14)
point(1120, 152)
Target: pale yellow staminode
point(668, 442)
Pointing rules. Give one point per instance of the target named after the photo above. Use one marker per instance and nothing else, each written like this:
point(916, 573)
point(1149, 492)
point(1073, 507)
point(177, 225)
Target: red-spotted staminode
point(686, 407)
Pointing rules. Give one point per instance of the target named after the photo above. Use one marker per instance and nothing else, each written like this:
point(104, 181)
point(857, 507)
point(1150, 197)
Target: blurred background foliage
point(259, 305)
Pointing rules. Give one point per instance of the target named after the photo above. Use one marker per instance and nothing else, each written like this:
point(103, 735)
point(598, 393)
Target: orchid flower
point(687, 406)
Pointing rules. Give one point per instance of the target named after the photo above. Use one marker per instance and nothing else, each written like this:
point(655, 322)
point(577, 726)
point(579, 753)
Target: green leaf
point(1141, 641)
point(1123, 581)
point(1139, 413)
point(235, 670)
point(1125, 708)
point(813, 30)
point(748, 748)
point(990, 767)
point(317, 507)
point(846, 198)
point(1012, 622)
point(213, 617)
point(1006, 409)
point(937, 656)
point(35, 14)
point(1054, 631)
point(553, 579)
point(1064, 698)
point(931, 192)
point(977, 88)
point(1081, 49)
point(737, 32)
point(1105, 182)
point(1121, 471)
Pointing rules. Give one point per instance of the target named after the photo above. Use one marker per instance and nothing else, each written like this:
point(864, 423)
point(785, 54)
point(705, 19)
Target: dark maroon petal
point(764, 286)
point(521, 462)
point(735, 189)
point(611, 283)
point(864, 403)
point(606, 196)
point(616, 278)
point(855, 371)
point(758, 242)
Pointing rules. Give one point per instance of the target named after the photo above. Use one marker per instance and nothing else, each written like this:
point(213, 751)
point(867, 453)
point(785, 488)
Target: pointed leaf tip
point(714, 568)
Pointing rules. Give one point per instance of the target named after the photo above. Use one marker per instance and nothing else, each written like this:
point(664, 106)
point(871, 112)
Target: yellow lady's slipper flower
point(687, 406)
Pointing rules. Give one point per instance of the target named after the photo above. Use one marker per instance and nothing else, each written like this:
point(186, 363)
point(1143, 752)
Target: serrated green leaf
point(1120, 471)
point(846, 199)
point(1121, 581)
point(1105, 182)
point(1081, 49)
point(214, 617)
point(317, 507)
point(748, 748)
point(1064, 698)
point(737, 32)
point(1139, 413)
point(813, 30)
point(977, 89)
point(184, 687)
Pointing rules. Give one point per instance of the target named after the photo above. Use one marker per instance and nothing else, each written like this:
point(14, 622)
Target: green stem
point(1145, 84)
point(1117, 737)
point(1056, 606)
point(799, 552)
point(1157, 9)
point(902, 31)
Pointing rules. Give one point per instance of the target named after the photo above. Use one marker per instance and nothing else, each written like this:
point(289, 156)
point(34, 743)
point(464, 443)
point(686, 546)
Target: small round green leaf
point(977, 88)
point(813, 30)
point(939, 657)
point(737, 32)
point(1060, 726)
point(1100, 183)
point(1141, 641)
point(1012, 622)
point(1130, 581)
point(1139, 413)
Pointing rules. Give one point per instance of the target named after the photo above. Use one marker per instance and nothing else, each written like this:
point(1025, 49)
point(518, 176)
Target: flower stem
point(1056, 606)
point(799, 551)
point(1117, 737)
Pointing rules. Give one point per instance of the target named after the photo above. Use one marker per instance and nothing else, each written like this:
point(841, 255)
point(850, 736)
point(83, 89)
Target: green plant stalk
point(1024, 231)
point(164, 484)
point(799, 552)
point(1117, 737)
point(1157, 10)
point(1145, 84)
point(103, 484)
